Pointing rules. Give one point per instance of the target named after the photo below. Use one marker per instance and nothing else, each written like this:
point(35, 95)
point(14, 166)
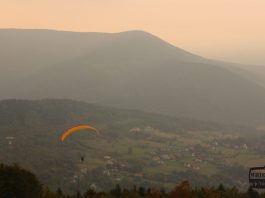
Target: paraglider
point(82, 158)
point(77, 128)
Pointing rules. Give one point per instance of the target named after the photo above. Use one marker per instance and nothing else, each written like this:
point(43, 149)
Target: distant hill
point(133, 70)
point(253, 73)
point(67, 113)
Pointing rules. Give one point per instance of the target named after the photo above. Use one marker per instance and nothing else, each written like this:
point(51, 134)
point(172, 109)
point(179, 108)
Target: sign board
point(257, 177)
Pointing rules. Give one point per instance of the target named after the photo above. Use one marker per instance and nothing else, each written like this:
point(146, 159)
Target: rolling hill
point(135, 148)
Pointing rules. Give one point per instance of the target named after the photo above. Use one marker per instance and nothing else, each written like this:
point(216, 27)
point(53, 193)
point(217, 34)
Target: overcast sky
point(232, 30)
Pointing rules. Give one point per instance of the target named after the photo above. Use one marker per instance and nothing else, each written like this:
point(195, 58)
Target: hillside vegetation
point(18, 182)
point(135, 148)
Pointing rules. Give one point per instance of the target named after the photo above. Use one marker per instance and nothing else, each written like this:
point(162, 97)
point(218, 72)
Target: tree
point(116, 192)
point(182, 191)
point(252, 193)
point(59, 192)
point(90, 193)
point(221, 190)
point(141, 191)
point(17, 182)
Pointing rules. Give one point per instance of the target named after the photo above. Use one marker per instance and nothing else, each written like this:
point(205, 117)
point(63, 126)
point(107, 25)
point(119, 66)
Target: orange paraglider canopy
point(77, 128)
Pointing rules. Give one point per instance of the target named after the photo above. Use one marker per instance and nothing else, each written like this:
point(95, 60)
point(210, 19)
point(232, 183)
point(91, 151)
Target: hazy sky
point(231, 30)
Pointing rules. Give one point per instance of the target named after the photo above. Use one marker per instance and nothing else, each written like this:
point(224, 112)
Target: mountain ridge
point(134, 70)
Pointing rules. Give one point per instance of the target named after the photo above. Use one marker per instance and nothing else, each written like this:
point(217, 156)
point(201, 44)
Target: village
point(189, 157)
